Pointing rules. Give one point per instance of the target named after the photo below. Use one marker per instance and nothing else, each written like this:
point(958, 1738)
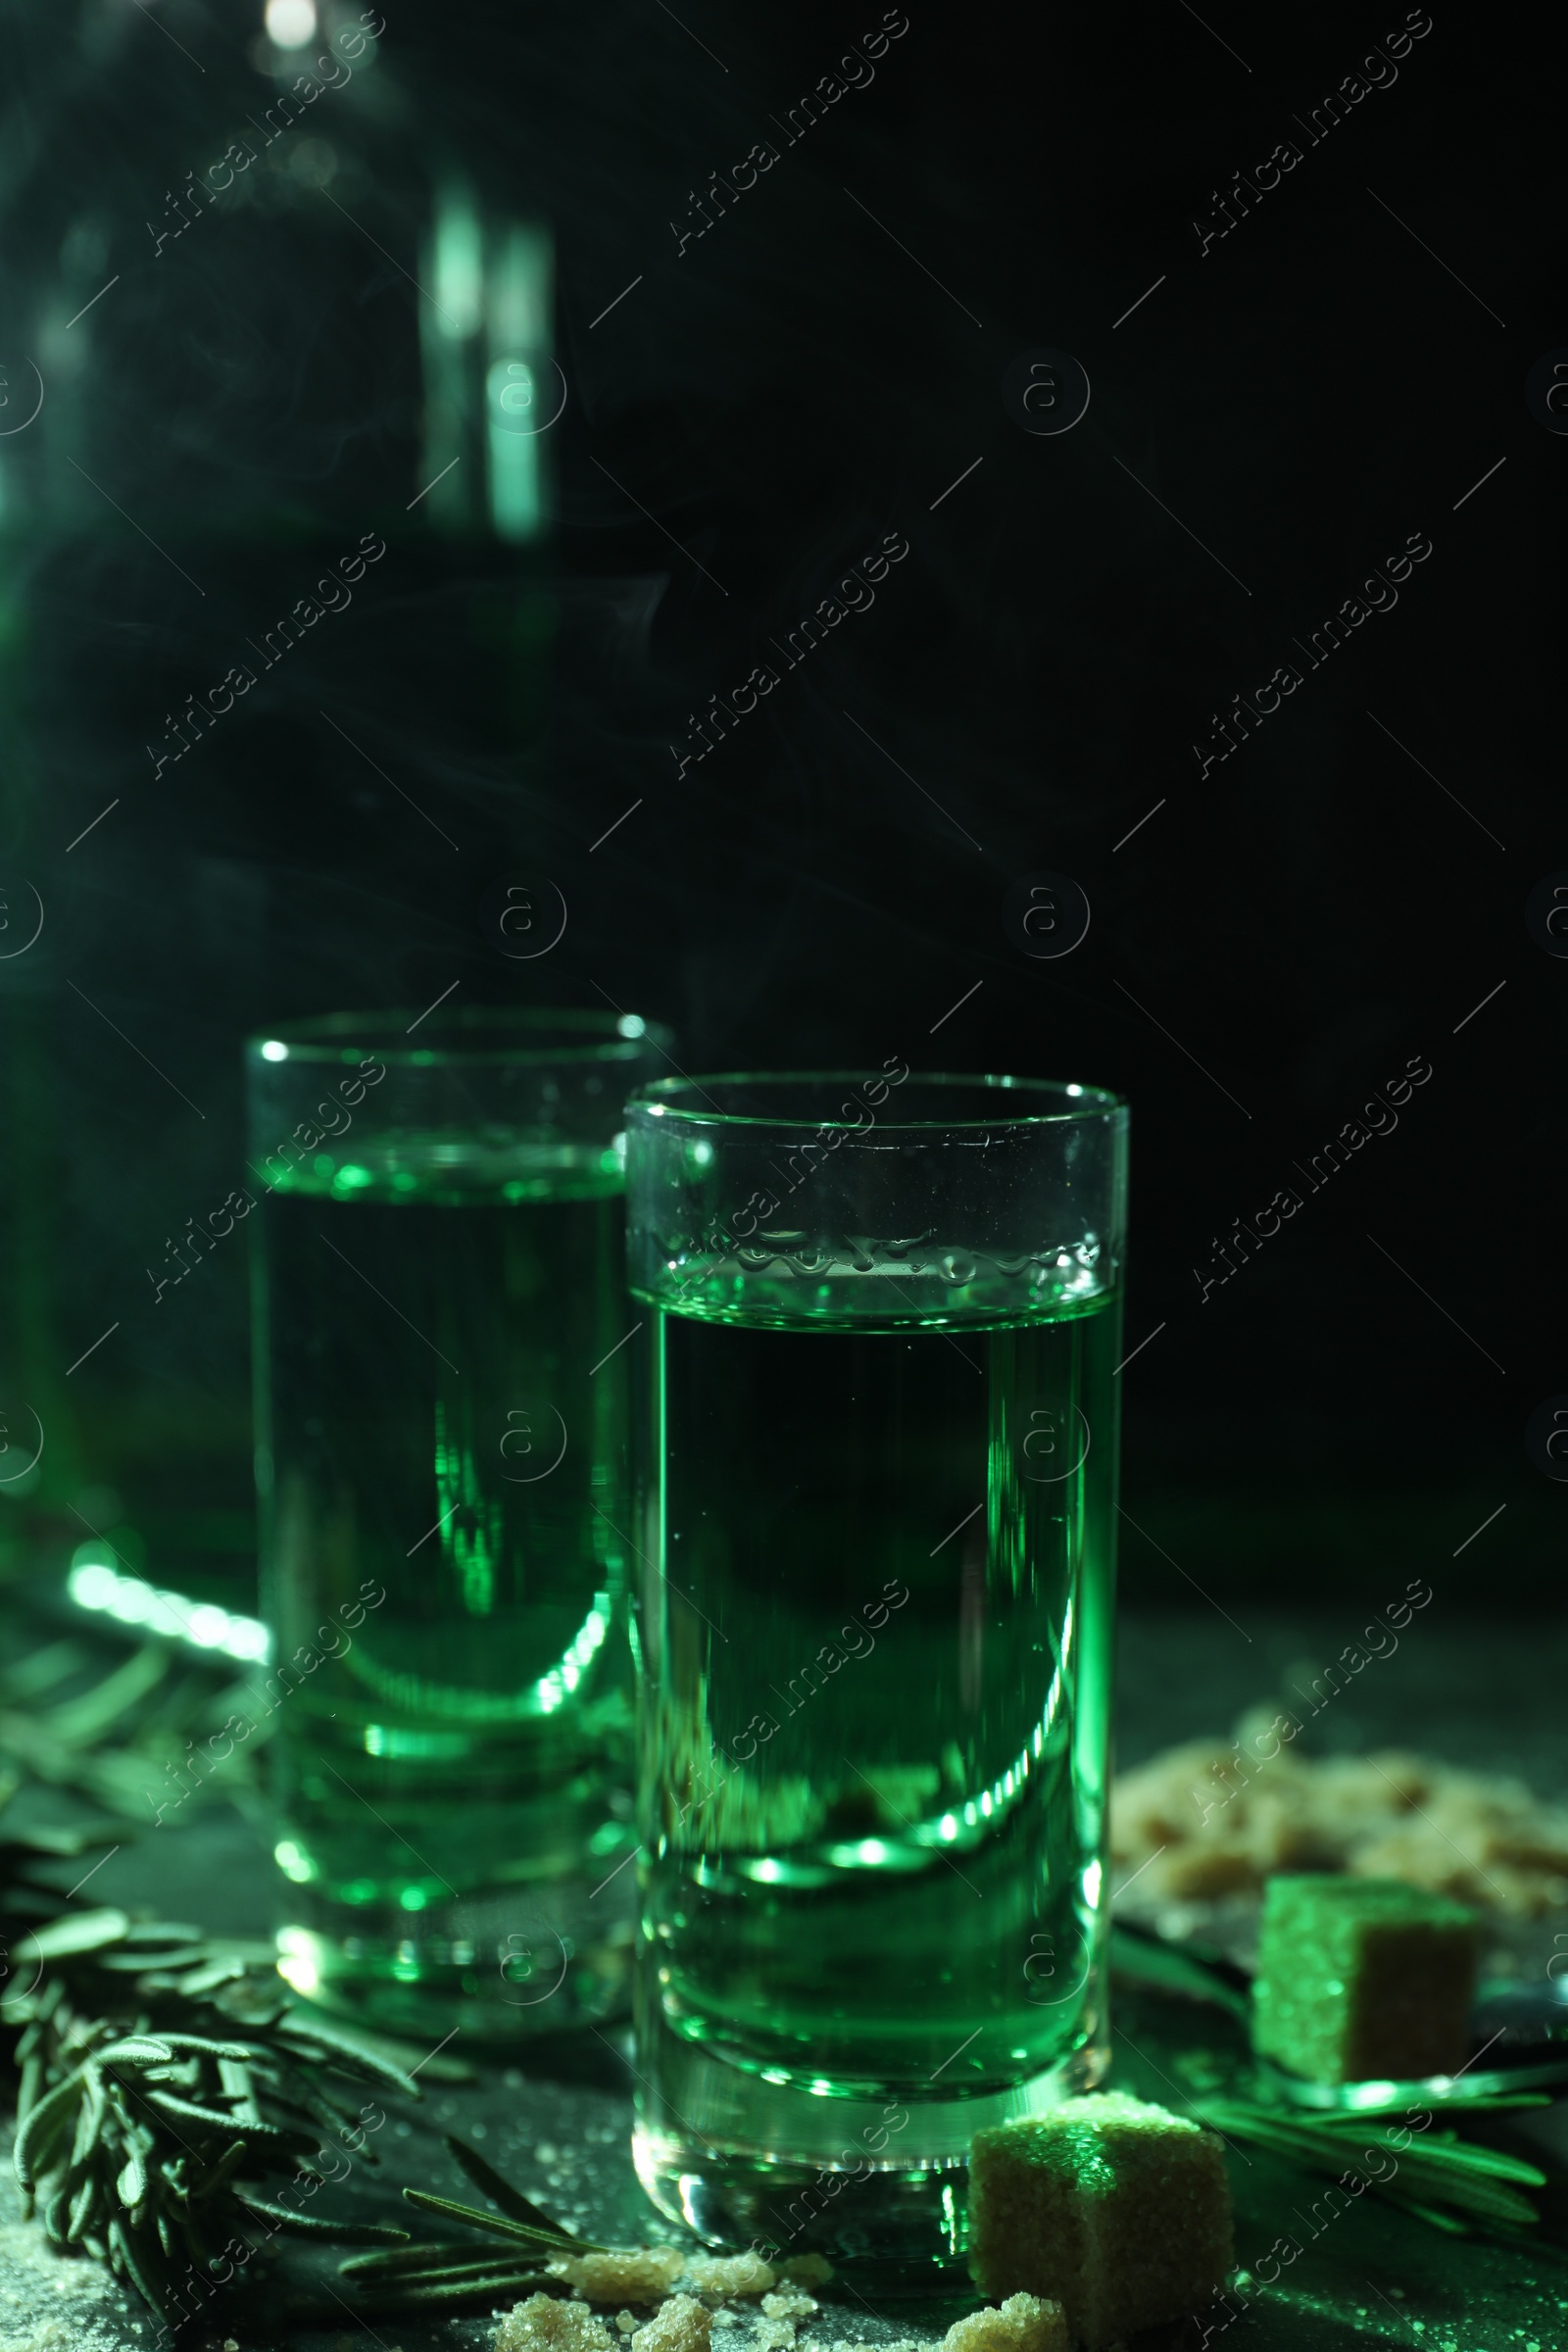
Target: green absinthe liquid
point(875, 1618)
point(442, 1472)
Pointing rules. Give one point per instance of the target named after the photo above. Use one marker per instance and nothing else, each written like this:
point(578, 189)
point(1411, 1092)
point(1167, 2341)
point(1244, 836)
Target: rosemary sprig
point(168, 2086)
point(1450, 2183)
point(111, 1735)
point(452, 2273)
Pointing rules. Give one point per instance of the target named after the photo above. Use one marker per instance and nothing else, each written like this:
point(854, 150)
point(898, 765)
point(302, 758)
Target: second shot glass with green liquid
point(441, 1325)
point(876, 1442)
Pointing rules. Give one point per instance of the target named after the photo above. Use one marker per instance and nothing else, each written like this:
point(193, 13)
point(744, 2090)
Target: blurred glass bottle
point(271, 321)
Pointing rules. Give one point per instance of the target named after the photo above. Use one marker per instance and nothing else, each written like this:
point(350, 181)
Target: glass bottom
point(505, 1965)
point(745, 2162)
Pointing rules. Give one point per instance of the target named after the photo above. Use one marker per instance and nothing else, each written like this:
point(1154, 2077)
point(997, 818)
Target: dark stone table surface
point(1485, 1693)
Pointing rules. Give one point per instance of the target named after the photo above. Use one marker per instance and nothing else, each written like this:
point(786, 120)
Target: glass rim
point(486, 1034)
point(1086, 1102)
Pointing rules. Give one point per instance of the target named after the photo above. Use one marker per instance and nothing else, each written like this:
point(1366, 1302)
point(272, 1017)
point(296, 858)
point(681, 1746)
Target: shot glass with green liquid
point(440, 1317)
point(875, 1444)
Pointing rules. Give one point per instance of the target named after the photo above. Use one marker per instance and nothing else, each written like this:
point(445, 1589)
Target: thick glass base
point(507, 1964)
point(776, 2166)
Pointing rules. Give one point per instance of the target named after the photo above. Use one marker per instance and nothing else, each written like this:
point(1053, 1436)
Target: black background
point(1273, 944)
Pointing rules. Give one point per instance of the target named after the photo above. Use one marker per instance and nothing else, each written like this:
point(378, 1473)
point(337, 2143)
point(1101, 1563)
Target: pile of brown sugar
point(1207, 1819)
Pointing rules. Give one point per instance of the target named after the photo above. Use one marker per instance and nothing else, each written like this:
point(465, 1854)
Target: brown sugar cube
point(1117, 2209)
point(1362, 1979)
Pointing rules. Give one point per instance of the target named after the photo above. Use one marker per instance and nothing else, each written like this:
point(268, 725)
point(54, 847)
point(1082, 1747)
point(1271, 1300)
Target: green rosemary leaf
point(1446, 2155)
point(128, 1961)
point(1434, 2184)
point(310, 2037)
point(550, 2238)
point(85, 1931)
point(90, 2116)
point(1502, 2205)
point(456, 2273)
point(135, 2261)
point(1357, 2118)
point(135, 2049)
point(1288, 2139)
point(232, 2158)
point(311, 2224)
point(234, 2077)
point(244, 2051)
point(452, 2294)
point(209, 1974)
point(247, 2127)
point(32, 2070)
point(511, 2201)
point(1431, 2213)
point(1428, 2174)
point(79, 1723)
point(292, 2110)
point(131, 2187)
point(44, 2125)
point(431, 2254)
point(1474, 2159)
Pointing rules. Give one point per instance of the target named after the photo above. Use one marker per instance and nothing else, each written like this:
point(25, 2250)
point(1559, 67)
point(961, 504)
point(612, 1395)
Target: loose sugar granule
point(900, 2343)
point(625, 2275)
point(806, 2269)
point(793, 2304)
point(725, 2275)
point(771, 2335)
point(1023, 2323)
point(682, 2325)
point(546, 2324)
